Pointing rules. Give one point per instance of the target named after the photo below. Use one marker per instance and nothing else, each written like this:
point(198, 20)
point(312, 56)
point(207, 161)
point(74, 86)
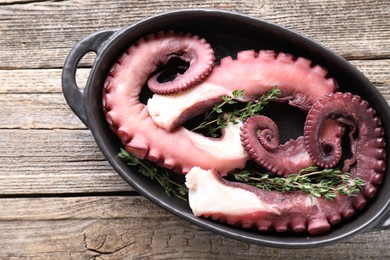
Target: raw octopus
point(210, 195)
point(154, 131)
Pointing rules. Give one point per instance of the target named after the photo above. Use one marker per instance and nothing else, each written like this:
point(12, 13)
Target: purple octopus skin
point(366, 138)
point(129, 118)
point(300, 83)
point(295, 210)
point(260, 139)
point(265, 210)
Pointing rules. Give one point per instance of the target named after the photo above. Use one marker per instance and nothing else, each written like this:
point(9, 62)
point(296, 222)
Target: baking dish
point(227, 32)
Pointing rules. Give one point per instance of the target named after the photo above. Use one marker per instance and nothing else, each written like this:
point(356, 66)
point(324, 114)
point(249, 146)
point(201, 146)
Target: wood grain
point(60, 198)
point(60, 161)
point(354, 29)
point(134, 228)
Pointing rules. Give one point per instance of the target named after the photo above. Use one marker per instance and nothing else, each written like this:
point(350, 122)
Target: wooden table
point(59, 197)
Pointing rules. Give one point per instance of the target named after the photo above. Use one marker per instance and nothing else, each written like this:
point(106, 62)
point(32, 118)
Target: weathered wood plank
point(88, 207)
point(59, 161)
point(377, 71)
point(29, 81)
point(134, 228)
point(45, 149)
point(36, 81)
point(27, 111)
point(354, 29)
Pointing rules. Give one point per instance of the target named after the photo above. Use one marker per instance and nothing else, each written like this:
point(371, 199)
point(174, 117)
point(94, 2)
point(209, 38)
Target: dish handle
point(74, 95)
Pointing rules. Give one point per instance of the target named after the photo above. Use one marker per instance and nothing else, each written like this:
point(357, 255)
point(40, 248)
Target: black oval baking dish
point(227, 32)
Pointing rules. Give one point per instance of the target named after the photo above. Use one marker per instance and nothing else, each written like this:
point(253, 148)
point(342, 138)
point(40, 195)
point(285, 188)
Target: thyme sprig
point(317, 182)
point(151, 171)
point(218, 118)
point(312, 180)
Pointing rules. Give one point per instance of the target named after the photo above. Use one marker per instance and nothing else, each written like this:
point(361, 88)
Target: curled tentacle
point(299, 82)
point(366, 137)
point(354, 113)
point(129, 118)
point(260, 139)
point(268, 138)
point(332, 152)
point(150, 133)
point(191, 49)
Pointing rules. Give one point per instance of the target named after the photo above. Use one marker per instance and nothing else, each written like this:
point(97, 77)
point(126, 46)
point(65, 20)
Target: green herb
point(149, 170)
point(312, 180)
point(316, 182)
point(217, 118)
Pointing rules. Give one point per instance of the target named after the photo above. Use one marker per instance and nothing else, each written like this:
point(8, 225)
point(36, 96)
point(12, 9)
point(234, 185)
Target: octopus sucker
point(302, 62)
point(334, 219)
point(379, 132)
point(317, 69)
point(377, 179)
point(169, 163)
point(318, 226)
point(369, 191)
point(225, 60)
point(125, 138)
point(154, 156)
point(246, 55)
point(109, 118)
point(298, 225)
point(285, 58)
point(281, 226)
point(137, 147)
point(107, 84)
point(348, 213)
point(360, 202)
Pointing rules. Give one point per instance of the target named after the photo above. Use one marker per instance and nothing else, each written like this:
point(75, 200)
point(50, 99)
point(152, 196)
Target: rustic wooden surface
point(60, 199)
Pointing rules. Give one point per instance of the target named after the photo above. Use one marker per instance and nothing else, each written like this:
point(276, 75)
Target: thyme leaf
point(316, 182)
point(218, 118)
point(153, 172)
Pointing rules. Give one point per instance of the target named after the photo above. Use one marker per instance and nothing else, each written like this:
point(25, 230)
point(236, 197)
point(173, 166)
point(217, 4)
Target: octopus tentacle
point(189, 48)
point(298, 211)
point(366, 137)
point(355, 114)
point(131, 121)
point(255, 73)
point(260, 139)
point(213, 197)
